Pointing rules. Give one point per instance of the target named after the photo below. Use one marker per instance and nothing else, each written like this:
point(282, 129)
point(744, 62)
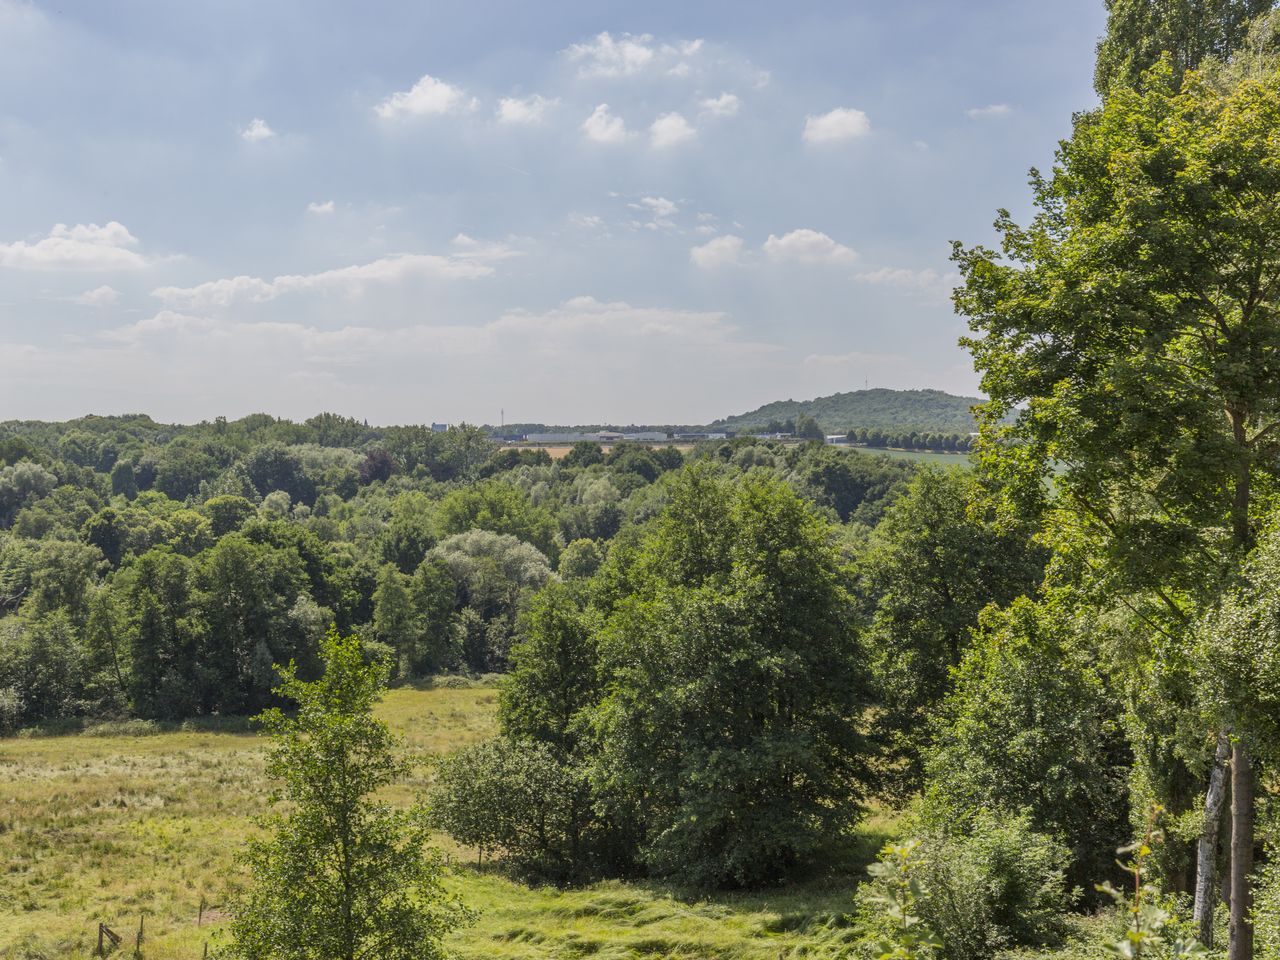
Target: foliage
point(1032, 729)
point(896, 893)
point(1147, 922)
point(1140, 32)
point(1238, 654)
point(521, 799)
point(340, 875)
point(929, 570)
point(994, 886)
point(555, 672)
point(728, 737)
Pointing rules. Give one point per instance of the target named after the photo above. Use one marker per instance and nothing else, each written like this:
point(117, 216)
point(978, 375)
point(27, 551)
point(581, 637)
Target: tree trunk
point(1207, 850)
point(1241, 945)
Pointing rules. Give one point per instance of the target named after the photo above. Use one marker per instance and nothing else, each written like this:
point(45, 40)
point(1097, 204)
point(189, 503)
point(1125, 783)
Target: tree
point(928, 572)
point(434, 595)
point(341, 875)
point(807, 428)
point(227, 513)
point(1031, 728)
point(580, 559)
point(1131, 331)
point(393, 614)
point(378, 466)
point(500, 507)
point(520, 799)
point(729, 740)
point(584, 453)
point(554, 672)
point(1140, 32)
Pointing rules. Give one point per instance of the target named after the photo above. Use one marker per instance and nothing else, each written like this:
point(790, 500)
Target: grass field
point(107, 826)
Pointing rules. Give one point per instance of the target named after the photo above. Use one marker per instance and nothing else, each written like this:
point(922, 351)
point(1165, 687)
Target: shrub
point(516, 800)
point(998, 886)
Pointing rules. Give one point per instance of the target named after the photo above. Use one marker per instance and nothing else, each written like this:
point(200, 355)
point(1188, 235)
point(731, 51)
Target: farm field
point(116, 823)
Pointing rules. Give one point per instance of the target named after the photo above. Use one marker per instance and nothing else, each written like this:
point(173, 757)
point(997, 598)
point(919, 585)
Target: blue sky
point(573, 212)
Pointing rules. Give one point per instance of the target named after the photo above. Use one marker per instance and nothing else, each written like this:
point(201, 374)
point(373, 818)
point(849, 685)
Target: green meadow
point(129, 822)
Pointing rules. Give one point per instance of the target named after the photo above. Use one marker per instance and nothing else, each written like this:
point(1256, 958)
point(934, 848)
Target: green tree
point(807, 428)
point(729, 736)
point(1032, 729)
point(1131, 332)
point(554, 672)
point(1140, 32)
point(227, 513)
point(340, 875)
point(927, 573)
point(434, 596)
point(394, 622)
point(501, 508)
point(580, 559)
point(519, 799)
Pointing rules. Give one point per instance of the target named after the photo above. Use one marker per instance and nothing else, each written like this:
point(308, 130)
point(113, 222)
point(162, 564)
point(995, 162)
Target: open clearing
point(107, 827)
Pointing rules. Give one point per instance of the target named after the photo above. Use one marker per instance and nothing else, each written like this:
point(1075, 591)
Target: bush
point(516, 800)
point(999, 886)
point(1266, 907)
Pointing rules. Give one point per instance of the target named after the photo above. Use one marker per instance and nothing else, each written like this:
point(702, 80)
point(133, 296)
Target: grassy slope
point(107, 827)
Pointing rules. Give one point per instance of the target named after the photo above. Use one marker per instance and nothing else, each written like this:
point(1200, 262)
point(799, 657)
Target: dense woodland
point(161, 571)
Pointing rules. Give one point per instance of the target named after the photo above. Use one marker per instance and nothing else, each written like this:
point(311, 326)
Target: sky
point(559, 212)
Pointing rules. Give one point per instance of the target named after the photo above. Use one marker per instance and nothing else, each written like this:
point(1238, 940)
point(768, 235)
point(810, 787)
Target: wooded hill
point(896, 411)
point(879, 409)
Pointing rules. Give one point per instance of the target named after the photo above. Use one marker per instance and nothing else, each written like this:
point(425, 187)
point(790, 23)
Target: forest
point(1024, 706)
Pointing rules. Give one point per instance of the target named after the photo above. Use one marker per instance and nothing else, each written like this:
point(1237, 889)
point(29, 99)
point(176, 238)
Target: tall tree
point(729, 735)
point(927, 573)
point(1140, 32)
point(1133, 332)
point(340, 875)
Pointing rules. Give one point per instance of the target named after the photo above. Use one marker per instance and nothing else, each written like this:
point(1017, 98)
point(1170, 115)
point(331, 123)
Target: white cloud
point(103, 296)
point(660, 207)
point(660, 211)
point(721, 252)
point(631, 54)
point(725, 105)
point(808, 246)
point(927, 282)
point(603, 56)
point(604, 127)
point(351, 281)
point(843, 123)
point(525, 110)
point(317, 206)
point(991, 110)
point(428, 97)
point(85, 246)
point(669, 130)
point(586, 221)
point(257, 130)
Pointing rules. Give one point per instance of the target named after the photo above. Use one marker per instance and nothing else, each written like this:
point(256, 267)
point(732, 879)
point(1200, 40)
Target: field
point(921, 456)
point(119, 822)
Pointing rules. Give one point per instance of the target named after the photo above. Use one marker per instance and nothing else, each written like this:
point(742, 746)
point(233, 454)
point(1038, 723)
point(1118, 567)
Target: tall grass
point(124, 820)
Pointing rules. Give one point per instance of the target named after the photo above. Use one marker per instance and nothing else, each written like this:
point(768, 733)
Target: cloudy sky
point(571, 211)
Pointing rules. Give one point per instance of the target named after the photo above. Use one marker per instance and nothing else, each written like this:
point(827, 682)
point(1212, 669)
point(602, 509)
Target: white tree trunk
point(1207, 849)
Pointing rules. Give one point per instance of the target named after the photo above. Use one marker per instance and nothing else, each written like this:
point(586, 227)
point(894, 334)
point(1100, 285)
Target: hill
point(880, 409)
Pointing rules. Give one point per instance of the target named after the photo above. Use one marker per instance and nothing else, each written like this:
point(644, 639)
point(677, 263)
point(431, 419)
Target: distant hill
point(923, 410)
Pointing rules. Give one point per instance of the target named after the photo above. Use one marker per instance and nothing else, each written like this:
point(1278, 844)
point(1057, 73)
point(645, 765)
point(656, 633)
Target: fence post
point(137, 943)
